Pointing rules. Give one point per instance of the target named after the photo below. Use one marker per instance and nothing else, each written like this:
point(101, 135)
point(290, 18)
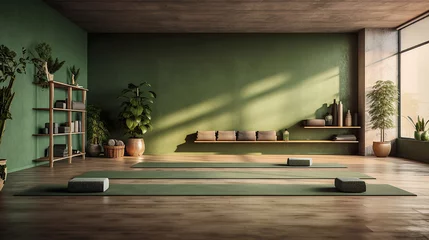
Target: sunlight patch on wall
point(193, 112)
point(265, 85)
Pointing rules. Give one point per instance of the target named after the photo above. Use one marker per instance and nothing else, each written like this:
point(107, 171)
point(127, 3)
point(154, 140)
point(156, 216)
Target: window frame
point(400, 52)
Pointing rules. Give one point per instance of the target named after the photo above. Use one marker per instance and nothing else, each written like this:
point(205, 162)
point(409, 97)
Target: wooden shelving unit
point(282, 142)
point(69, 88)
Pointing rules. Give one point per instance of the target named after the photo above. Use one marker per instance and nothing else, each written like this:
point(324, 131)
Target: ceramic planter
point(425, 136)
point(381, 149)
point(3, 173)
point(135, 147)
point(93, 150)
point(418, 135)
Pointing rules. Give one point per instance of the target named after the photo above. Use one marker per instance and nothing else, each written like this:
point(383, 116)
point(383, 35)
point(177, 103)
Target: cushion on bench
point(267, 136)
point(226, 136)
point(206, 136)
point(246, 136)
point(350, 185)
point(85, 185)
point(299, 161)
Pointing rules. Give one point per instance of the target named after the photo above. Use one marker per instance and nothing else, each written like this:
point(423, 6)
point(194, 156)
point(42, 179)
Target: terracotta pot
point(135, 147)
point(2, 181)
point(93, 150)
point(381, 149)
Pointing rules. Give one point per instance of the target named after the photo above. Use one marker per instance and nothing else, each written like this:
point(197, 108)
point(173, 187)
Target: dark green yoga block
point(299, 162)
point(88, 185)
point(350, 185)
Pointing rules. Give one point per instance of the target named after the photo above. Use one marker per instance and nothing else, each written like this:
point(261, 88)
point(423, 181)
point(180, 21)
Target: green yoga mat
point(229, 165)
point(218, 190)
point(223, 174)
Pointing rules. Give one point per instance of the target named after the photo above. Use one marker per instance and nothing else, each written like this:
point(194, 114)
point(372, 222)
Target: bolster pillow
point(206, 136)
point(246, 136)
point(226, 136)
point(267, 136)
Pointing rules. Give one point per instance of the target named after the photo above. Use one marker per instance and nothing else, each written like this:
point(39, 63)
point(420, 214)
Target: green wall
point(227, 82)
point(25, 23)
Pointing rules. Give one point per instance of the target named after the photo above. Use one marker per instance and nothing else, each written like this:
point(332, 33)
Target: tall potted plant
point(136, 115)
point(97, 131)
point(383, 101)
point(10, 66)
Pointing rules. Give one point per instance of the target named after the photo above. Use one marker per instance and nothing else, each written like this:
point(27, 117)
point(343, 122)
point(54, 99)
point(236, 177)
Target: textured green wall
point(412, 149)
point(227, 82)
point(25, 23)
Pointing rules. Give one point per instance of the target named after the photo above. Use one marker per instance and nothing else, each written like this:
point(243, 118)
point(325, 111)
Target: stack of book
point(60, 150)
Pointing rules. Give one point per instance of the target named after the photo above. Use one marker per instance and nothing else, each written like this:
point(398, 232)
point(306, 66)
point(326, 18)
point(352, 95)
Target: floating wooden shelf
point(333, 127)
point(60, 109)
point(43, 159)
point(57, 134)
point(282, 142)
point(66, 86)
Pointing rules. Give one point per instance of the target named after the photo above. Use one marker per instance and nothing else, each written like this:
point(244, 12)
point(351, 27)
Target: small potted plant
point(10, 66)
point(420, 132)
point(74, 71)
point(136, 116)
point(45, 64)
point(383, 100)
point(97, 131)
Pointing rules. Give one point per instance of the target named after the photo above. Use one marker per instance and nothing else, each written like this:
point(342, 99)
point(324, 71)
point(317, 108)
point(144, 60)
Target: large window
point(414, 77)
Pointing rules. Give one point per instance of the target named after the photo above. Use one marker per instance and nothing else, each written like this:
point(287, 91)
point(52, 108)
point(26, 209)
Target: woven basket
point(114, 151)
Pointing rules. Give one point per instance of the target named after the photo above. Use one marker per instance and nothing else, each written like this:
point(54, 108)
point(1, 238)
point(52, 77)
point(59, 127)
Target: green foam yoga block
point(88, 185)
point(350, 185)
point(299, 161)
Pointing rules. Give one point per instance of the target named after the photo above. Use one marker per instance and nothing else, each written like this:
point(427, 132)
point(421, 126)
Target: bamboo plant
point(383, 99)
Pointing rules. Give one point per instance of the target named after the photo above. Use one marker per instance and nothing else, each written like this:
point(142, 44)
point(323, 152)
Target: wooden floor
point(143, 217)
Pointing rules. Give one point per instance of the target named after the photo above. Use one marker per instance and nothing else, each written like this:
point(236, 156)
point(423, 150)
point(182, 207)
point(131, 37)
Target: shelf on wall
point(43, 159)
point(282, 142)
point(66, 86)
point(57, 134)
point(333, 127)
point(60, 109)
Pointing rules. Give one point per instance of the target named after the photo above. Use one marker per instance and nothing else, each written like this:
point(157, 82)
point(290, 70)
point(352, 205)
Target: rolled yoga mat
point(229, 165)
point(222, 174)
point(217, 190)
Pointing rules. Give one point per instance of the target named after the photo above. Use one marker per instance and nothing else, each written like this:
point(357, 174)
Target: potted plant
point(383, 101)
point(420, 132)
point(10, 66)
point(97, 131)
point(74, 71)
point(136, 116)
point(45, 64)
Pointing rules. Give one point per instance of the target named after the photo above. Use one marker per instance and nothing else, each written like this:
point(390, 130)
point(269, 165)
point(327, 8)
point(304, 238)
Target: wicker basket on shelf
point(114, 151)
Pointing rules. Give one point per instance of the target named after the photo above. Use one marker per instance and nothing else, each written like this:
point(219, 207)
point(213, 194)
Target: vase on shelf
point(334, 113)
point(348, 120)
point(286, 135)
point(340, 114)
point(328, 120)
point(355, 119)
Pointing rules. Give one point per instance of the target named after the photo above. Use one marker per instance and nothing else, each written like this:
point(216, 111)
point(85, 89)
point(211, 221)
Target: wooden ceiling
point(237, 16)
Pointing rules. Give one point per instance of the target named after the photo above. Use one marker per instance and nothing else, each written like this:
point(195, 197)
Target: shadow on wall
point(226, 82)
